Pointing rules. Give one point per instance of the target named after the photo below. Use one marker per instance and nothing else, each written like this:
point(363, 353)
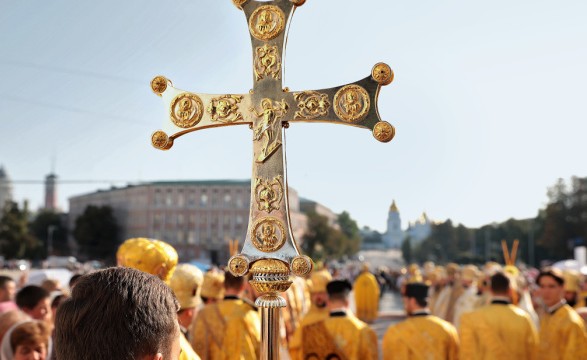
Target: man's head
point(338, 293)
point(233, 285)
point(186, 283)
point(415, 297)
point(318, 281)
point(7, 288)
point(500, 284)
point(118, 313)
point(551, 283)
point(35, 302)
point(468, 275)
point(212, 287)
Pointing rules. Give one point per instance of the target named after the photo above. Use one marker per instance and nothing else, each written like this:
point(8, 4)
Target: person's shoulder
point(435, 320)
point(572, 315)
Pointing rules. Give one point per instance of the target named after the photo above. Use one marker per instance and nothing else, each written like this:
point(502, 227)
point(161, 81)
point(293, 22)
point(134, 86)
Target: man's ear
point(157, 356)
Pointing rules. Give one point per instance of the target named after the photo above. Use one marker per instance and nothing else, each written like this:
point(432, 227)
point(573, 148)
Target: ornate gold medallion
point(351, 103)
point(224, 109)
point(266, 22)
point(267, 62)
point(383, 131)
point(268, 234)
point(311, 104)
point(186, 110)
point(269, 126)
point(159, 84)
point(238, 265)
point(382, 73)
point(268, 194)
point(160, 140)
point(301, 265)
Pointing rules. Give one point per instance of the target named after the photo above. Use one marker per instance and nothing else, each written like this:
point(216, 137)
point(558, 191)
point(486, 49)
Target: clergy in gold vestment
point(562, 331)
point(229, 329)
point(422, 336)
point(500, 330)
point(340, 336)
point(318, 309)
point(366, 295)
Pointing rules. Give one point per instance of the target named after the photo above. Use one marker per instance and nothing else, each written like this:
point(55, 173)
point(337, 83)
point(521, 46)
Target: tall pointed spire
point(393, 207)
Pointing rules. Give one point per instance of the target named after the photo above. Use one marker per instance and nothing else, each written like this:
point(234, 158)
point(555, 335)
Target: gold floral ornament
point(268, 234)
point(266, 22)
point(301, 265)
point(268, 194)
point(382, 73)
point(351, 103)
point(269, 126)
point(239, 3)
point(224, 109)
point(238, 265)
point(186, 110)
point(383, 131)
point(267, 62)
point(161, 141)
point(311, 104)
point(159, 84)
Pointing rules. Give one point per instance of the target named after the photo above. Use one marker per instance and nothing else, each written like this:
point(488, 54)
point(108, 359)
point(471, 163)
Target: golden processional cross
point(270, 252)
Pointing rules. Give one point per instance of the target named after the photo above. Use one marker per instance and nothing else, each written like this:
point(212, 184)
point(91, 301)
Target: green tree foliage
point(350, 229)
point(323, 241)
point(15, 239)
point(48, 224)
point(96, 233)
point(407, 250)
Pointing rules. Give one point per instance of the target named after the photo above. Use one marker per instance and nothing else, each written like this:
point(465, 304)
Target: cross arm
point(188, 112)
point(352, 104)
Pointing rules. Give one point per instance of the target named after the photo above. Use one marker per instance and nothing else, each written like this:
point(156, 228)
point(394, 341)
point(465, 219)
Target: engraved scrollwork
point(268, 234)
point(267, 22)
point(186, 110)
point(269, 126)
point(268, 194)
point(267, 62)
point(311, 104)
point(383, 131)
point(224, 109)
point(351, 103)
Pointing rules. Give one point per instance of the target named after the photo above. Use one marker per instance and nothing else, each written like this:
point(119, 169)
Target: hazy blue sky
point(489, 99)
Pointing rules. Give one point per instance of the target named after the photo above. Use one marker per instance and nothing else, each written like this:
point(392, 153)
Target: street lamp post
point(50, 230)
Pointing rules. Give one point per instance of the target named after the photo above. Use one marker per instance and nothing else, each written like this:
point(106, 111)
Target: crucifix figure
point(270, 252)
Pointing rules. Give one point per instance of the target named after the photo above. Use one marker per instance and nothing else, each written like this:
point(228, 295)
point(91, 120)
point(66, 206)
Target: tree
point(316, 236)
point(96, 233)
point(49, 226)
point(15, 239)
point(407, 250)
point(350, 229)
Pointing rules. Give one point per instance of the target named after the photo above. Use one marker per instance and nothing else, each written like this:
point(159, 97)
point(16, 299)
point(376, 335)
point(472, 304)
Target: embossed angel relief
point(271, 112)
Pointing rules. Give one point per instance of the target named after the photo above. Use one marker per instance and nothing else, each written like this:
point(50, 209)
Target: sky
point(488, 100)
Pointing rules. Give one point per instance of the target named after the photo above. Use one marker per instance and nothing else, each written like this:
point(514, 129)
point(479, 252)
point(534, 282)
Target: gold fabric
point(562, 335)
point(498, 332)
point(230, 329)
point(187, 353)
point(346, 336)
point(313, 316)
point(421, 338)
point(366, 297)
point(456, 291)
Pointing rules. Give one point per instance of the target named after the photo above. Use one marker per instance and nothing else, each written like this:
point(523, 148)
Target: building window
point(239, 219)
point(227, 199)
point(203, 200)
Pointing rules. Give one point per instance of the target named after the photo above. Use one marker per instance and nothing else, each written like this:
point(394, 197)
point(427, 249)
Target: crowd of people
point(151, 307)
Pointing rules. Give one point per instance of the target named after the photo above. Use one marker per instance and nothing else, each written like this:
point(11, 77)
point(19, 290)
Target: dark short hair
point(233, 282)
point(5, 279)
point(118, 313)
point(500, 283)
point(73, 280)
point(554, 273)
point(29, 296)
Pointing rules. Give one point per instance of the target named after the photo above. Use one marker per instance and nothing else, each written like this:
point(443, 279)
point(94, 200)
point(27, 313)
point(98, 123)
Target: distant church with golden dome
point(417, 231)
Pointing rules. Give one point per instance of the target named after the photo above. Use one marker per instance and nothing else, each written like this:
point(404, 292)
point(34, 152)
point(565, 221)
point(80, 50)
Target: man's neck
point(554, 307)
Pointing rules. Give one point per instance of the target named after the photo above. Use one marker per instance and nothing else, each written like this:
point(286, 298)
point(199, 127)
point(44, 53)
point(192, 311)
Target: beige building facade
point(196, 217)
